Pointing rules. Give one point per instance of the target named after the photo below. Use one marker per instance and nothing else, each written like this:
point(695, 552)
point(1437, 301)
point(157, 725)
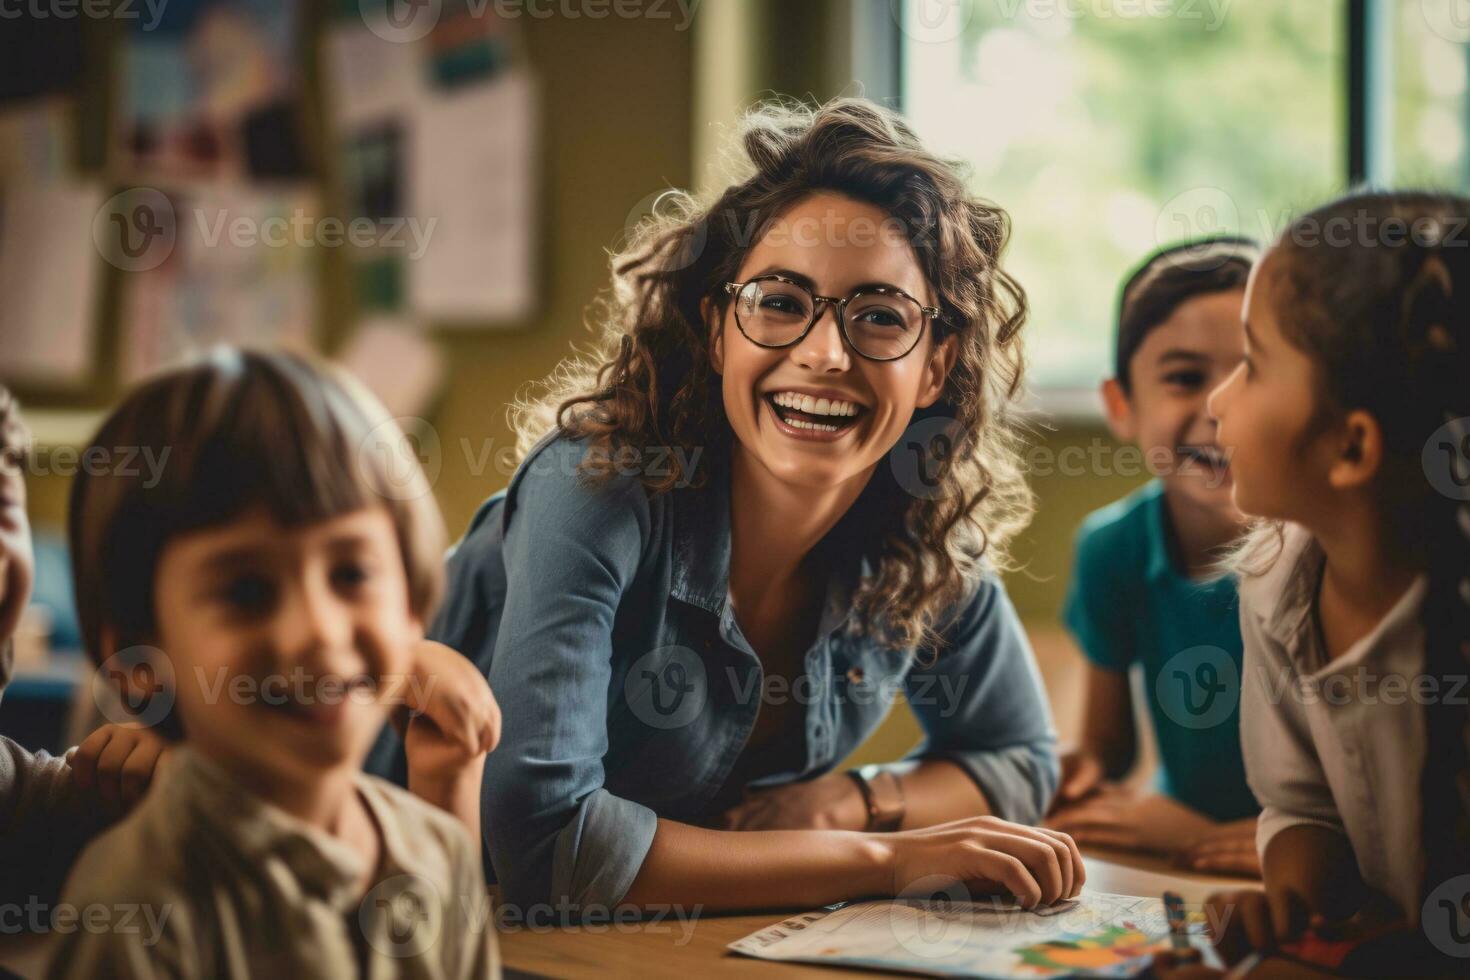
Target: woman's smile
point(814, 415)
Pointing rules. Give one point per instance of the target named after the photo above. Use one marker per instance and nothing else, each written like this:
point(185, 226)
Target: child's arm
point(454, 722)
point(1308, 865)
point(1109, 743)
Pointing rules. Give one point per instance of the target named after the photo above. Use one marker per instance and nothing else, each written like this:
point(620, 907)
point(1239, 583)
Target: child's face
point(838, 244)
point(1264, 410)
point(1172, 374)
point(280, 638)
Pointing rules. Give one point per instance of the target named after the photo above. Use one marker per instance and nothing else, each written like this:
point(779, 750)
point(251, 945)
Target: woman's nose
point(823, 349)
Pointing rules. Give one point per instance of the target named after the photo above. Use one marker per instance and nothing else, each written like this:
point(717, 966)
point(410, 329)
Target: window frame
point(1367, 155)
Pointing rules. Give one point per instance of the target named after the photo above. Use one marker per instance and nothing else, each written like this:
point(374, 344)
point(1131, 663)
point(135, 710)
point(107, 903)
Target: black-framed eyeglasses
point(881, 323)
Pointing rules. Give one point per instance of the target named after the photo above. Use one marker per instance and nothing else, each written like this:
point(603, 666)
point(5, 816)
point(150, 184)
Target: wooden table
point(697, 948)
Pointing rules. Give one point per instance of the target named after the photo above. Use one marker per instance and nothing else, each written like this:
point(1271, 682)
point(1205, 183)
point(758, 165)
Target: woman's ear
point(716, 335)
point(936, 371)
point(1359, 452)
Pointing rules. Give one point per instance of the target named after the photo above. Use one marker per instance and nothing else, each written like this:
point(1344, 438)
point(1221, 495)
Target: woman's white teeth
point(814, 406)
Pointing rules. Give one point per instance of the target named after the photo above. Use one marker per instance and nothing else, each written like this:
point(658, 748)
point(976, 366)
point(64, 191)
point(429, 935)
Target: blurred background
point(427, 190)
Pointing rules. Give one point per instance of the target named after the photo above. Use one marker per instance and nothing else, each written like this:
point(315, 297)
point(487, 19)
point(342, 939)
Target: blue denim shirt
point(600, 615)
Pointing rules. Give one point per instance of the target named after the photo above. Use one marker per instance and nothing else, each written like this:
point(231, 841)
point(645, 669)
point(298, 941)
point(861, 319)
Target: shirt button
point(855, 675)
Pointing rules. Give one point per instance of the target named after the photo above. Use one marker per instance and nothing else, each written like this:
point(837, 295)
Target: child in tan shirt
point(262, 603)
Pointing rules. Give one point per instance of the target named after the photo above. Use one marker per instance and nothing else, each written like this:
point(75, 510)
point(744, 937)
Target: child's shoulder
point(1116, 538)
point(142, 858)
point(415, 825)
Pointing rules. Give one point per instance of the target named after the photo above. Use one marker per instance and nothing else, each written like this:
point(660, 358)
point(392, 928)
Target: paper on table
point(49, 272)
point(1100, 935)
point(470, 173)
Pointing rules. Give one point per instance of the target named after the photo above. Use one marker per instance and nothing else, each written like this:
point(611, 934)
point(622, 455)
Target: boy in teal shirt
point(1145, 588)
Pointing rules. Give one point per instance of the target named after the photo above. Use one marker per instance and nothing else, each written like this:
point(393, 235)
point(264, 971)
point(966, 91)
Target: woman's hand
point(1229, 849)
point(830, 802)
point(117, 762)
point(1119, 818)
point(987, 855)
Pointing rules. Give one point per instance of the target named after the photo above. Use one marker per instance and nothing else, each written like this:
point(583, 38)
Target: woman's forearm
point(724, 870)
point(937, 791)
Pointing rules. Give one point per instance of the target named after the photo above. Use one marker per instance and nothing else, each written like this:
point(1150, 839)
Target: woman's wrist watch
point(882, 795)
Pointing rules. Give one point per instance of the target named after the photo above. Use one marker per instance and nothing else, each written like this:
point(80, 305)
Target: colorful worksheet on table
point(1096, 935)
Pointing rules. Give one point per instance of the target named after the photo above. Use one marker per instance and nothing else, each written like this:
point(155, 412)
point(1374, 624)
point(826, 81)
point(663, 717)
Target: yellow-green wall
point(629, 106)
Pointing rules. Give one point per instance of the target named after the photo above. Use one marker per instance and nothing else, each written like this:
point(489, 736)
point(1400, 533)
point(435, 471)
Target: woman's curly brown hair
point(648, 382)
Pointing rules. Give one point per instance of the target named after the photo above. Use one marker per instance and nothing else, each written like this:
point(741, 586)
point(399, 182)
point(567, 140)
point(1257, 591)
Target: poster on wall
point(211, 91)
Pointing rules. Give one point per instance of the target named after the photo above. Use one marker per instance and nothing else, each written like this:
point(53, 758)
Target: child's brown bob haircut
point(236, 430)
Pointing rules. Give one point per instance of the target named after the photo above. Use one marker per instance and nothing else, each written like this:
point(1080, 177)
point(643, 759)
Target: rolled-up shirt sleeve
point(554, 833)
point(981, 705)
point(1281, 762)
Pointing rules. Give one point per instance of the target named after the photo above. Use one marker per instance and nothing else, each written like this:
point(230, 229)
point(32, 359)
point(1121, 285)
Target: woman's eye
point(881, 318)
point(783, 304)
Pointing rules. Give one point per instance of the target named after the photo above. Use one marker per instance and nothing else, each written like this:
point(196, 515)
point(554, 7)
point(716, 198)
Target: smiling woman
point(826, 353)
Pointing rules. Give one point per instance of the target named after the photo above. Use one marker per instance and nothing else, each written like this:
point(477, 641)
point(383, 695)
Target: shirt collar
point(323, 866)
point(701, 560)
point(1282, 597)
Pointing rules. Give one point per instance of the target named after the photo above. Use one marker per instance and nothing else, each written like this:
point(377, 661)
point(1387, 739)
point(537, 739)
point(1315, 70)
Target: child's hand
point(1082, 775)
point(1229, 849)
point(454, 719)
point(117, 763)
point(1116, 817)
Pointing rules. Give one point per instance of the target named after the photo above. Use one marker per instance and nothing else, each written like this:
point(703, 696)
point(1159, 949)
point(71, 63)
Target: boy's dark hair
point(1387, 327)
point(234, 430)
point(1169, 277)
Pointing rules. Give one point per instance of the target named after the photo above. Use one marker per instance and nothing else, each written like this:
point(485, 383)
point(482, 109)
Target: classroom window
point(1429, 64)
point(1107, 129)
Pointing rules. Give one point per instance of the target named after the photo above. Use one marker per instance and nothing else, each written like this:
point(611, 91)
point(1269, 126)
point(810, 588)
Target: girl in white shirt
point(1347, 428)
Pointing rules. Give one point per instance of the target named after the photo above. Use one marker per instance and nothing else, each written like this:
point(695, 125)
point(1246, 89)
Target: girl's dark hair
point(237, 429)
point(1169, 277)
point(1378, 289)
point(649, 381)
